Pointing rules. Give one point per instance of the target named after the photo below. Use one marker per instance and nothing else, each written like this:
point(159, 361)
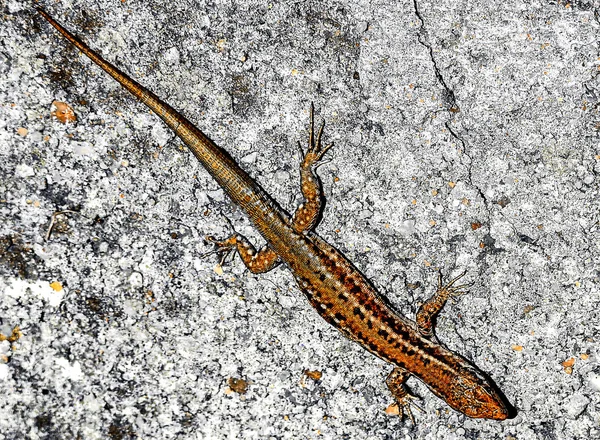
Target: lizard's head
point(476, 396)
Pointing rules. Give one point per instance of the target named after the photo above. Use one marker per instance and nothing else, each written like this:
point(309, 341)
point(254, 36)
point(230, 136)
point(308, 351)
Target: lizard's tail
point(241, 188)
point(165, 111)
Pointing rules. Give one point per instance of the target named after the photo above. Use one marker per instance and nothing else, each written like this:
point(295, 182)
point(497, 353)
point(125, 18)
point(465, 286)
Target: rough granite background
point(467, 138)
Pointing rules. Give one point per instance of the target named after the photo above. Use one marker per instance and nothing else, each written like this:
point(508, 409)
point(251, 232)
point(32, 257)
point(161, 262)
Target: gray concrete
point(466, 139)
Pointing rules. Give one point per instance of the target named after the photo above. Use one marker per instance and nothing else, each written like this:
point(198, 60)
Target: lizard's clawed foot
point(449, 290)
point(404, 406)
point(404, 400)
point(222, 247)
point(314, 155)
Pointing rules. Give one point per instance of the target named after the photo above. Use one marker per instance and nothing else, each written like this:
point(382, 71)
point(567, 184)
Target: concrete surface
point(466, 139)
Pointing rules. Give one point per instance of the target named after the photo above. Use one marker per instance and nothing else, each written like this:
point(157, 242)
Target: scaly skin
point(334, 287)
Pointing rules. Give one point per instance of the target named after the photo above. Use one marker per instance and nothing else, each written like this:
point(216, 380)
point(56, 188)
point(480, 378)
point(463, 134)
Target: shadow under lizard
point(333, 286)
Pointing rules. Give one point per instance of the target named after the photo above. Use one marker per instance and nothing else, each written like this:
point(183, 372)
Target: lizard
point(338, 291)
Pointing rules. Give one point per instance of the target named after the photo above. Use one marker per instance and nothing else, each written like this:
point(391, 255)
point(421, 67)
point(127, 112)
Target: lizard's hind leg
point(307, 215)
point(256, 261)
point(396, 383)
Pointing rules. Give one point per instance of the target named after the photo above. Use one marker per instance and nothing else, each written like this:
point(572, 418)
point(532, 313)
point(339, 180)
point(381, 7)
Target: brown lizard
point(333, 286)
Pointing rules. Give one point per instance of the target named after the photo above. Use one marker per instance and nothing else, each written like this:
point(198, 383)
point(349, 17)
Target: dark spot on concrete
point(43, 422)
point(121, 430)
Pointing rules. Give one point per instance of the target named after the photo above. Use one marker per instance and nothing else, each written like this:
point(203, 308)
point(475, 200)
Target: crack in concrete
point(452, 107)
point(449, 100)
point(449, 97)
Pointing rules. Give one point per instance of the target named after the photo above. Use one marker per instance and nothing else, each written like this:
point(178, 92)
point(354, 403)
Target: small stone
point(362, 27)
point(576, 405)
point(594, 380)
point(136, 279)
point(23, 170)
point(589, 179)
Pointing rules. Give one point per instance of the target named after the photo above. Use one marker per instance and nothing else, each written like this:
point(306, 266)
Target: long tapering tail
point(243, 190)
point(165, 111)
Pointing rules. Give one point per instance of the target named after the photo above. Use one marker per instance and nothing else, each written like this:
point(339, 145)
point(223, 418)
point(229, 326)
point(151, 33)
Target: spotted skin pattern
point(333, 286)
point(304, 219)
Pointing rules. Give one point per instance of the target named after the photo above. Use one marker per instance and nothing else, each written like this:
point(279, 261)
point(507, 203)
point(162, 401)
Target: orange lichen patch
point(432, 223)
point(451, 184)
point(22, 131)
point(150, 298)
point(314, 375)
point(584, 356)
point(517, 347)
point(15, 335)
point(434, 192)
point(476, 226)
point(56, 286)
point(393, 410)
point(64, 113)
point(221, 44)
point(568, 365)
point(239, 386)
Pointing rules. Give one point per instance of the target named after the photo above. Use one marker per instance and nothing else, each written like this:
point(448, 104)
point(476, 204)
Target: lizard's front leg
point(256, 261)
point(307, 215)
point(428, 312)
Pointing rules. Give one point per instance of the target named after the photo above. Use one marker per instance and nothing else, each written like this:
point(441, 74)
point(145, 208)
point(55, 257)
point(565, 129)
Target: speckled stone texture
point(466, 139)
